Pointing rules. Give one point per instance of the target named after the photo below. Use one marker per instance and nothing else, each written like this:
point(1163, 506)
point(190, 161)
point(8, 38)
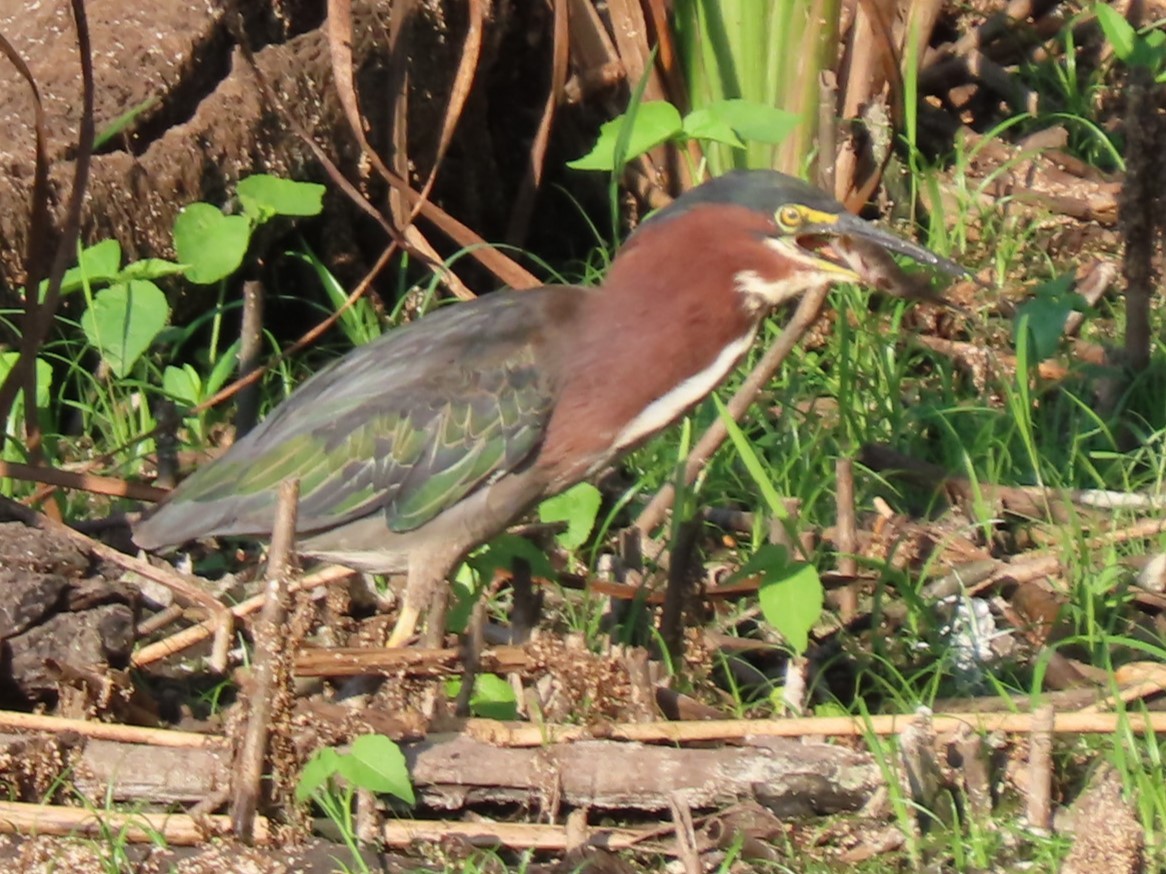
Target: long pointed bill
point(847, 225)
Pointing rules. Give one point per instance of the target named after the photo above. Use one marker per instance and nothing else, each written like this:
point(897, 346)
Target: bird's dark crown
point(764, 191)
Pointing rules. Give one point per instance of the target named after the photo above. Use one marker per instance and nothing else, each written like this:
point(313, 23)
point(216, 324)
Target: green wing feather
point(408, 425)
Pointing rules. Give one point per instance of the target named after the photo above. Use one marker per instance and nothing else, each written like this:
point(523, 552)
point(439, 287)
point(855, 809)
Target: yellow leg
point(423, 583)
point(406, 624)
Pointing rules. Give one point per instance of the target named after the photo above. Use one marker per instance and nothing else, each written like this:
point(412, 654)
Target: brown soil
point(204, 121)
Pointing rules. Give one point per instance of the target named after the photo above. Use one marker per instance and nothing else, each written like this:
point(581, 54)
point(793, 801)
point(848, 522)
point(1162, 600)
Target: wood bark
point(789, 777)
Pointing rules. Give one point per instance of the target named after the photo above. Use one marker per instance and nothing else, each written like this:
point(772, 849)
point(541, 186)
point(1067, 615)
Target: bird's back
point(405, 426)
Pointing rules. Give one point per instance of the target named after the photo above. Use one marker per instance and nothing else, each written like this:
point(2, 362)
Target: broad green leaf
point(99, 260)
point(376, 763)
point(264, 196)
point(1117, 30)
point(44, 383)
point(210, 243)
point(755, 121)
point(792, 603)
point(705, 124)
point(182, 384)
point(98, 264)
point(44, 376)
point(790, 596)
point(1040, 321)
point(319, 769)
point(123, 321)
point(464, 590)
point(655, 123)
point(492, 698)
point(578, 507)
point(825, 708)
point(479, 569)
point(1147, 51)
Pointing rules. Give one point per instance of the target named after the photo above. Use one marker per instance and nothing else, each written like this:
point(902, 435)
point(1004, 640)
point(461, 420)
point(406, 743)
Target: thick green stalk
point(768, 51)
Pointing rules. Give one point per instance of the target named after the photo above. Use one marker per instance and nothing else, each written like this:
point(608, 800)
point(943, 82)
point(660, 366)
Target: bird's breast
point(668, 407)
point(625, 377)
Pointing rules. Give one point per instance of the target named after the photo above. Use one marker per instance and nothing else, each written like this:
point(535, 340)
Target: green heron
point(420, 446)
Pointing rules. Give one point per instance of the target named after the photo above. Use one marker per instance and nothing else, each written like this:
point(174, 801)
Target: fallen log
point(456, 770)
point(789, 777)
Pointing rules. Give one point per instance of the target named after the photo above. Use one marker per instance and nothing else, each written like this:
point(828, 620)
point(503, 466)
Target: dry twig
point(174, 828)
point(1040, 769)
point(270, 666)
point(517, 835)
point(847, 540)
point(13, 720)
point(194, 635)
point(520, 735)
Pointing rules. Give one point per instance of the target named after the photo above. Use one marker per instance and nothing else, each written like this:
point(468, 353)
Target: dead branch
point(175, 828)
point(358, 662)
point(270, 667)
point(517, 835)
point(505, 734)
point(136, 734)
point(1040, 769)
point(98, 485)
point(194, 635)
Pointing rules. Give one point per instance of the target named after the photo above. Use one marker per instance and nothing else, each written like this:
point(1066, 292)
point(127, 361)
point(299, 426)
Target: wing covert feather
point(409, 424)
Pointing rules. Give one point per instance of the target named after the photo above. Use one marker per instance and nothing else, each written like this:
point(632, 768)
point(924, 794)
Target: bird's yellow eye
point(789, 218)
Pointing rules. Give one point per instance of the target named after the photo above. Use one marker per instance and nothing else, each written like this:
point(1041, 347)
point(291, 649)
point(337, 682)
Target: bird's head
point(764, 236)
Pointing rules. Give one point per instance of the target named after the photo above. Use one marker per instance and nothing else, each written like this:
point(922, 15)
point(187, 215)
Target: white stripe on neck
point(662, 411)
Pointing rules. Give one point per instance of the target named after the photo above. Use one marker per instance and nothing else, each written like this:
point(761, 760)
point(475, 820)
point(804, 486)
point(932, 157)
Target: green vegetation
point(735, 57)
point(331, 779)
point(864, 380)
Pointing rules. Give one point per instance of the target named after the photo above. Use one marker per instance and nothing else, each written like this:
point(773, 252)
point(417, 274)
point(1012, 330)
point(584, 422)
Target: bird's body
point(416, 448)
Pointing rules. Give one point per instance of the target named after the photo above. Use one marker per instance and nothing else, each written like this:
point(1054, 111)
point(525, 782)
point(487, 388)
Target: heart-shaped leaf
point(578, 507)
point(123, 321)
point(182, 384)
point(492, 698)
point(755, 121)
point(320, 768)
point(376, 763)
point(791, 595)
point(654, 123)
point(97, 265)
point(44, 384)
point(705, 124)
point(210, 243)
point(1040, 321)
point(150, 268)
